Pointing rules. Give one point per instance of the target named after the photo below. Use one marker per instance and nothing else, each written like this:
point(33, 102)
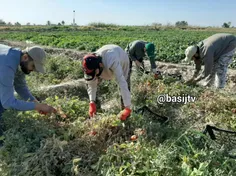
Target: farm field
point(170, 43)
point(70, 144)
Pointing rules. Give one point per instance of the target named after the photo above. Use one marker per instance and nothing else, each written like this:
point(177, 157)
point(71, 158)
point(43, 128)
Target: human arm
point(198, 65)
point(21, 87)
point(92, 90)
point(7, 98)
point(7, 92)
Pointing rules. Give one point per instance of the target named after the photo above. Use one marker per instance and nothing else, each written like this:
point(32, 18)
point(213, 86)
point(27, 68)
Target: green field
point(61, 145)
point(170, 43)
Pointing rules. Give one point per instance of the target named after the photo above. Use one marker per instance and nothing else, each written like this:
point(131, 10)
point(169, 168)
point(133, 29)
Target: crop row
point(170, 44)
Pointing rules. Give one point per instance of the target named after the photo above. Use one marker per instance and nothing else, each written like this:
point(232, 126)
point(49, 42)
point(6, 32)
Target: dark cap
point(90, 63)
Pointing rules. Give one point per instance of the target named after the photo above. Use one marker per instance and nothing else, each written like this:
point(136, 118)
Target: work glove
point(92, 109)
point(43, 113)
point(125, 114)
point(157, 74)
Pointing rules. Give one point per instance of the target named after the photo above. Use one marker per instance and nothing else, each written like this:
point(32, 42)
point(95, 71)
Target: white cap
point(189, 53)
point(38, 55)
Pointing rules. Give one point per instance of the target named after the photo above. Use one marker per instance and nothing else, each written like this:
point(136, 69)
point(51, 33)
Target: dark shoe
point(1, 143)
point(1, 140)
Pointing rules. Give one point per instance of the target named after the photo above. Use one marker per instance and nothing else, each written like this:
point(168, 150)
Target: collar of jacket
point(14, 57)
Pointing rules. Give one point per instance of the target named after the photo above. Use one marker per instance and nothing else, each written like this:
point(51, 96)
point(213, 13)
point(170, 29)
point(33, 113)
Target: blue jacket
point(11, 77)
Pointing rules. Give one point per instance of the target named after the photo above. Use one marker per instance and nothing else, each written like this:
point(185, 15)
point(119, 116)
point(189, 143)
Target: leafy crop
point(170, 44)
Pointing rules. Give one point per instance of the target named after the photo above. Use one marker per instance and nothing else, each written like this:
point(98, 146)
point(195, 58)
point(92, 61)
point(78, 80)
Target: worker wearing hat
point(216, 53)
point(108, 62)
point(14, 64)
point(137, 50)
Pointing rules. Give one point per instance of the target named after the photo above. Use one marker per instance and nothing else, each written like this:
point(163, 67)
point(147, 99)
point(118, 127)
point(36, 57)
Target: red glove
point(125, 114)
point(156, 76)
point(43, 113)
point(92, 109)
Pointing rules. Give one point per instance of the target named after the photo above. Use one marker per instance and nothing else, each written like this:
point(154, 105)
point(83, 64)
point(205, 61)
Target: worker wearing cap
point(138, 49)
point(108, 62)
point(14, 64)
point(216, 53)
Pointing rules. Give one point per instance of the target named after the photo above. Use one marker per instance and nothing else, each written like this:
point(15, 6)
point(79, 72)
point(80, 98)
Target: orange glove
point(92, 109)
point(156, 76)
point(125, 114)
point(43, 113)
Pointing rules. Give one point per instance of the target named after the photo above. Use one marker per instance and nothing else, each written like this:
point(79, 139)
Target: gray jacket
point(212, 48)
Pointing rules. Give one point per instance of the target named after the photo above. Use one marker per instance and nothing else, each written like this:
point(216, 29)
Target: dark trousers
point(1, 120)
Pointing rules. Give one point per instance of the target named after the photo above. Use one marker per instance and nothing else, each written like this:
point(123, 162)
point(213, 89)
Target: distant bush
point(100, 24)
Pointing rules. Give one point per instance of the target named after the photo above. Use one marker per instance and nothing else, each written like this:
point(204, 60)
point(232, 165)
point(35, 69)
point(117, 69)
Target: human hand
point(45, 109)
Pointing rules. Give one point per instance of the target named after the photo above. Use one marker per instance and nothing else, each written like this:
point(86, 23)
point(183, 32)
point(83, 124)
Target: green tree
point(2, 23)
point(17, 24)
point(181, 24)
point(48, 23)
point(226, 25)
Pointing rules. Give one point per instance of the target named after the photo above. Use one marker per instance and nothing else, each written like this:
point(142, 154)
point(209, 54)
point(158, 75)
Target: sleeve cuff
point(31, 105)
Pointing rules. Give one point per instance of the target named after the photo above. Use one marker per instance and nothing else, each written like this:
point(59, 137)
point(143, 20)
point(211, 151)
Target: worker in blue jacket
point(14, 64)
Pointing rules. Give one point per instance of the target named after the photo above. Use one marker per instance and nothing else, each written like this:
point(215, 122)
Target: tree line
point(62, 23)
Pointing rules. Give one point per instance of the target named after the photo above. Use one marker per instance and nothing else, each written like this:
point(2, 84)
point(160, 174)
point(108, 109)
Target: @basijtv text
point(183, 99)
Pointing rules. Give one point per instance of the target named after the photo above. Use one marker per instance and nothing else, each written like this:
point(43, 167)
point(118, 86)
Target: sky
point(121, 12)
